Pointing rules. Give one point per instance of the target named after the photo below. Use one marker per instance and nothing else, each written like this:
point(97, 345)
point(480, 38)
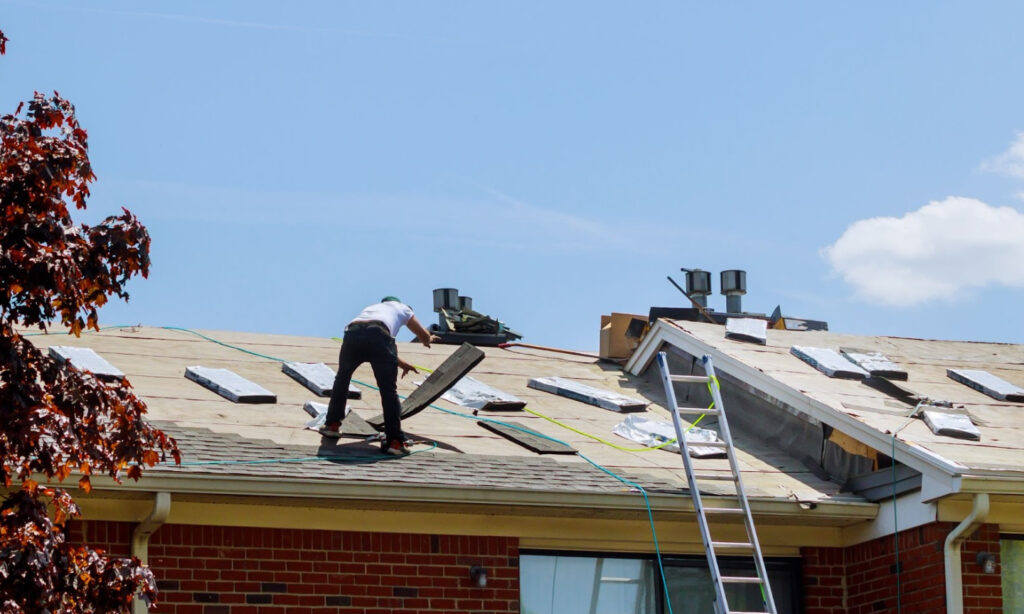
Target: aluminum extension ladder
point(712, 547)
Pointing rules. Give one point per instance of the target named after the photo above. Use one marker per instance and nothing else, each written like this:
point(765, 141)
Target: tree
point(54, 419)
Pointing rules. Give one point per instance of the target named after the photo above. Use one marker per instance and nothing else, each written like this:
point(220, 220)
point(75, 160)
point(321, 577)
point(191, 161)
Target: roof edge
point(918, 458)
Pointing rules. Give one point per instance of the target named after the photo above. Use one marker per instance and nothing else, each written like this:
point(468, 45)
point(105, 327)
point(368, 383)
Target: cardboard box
point(614, 342)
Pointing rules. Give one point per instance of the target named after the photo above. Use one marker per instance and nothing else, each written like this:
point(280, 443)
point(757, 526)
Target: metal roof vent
point(698, 285)
point(734, 286)
point(446, 298)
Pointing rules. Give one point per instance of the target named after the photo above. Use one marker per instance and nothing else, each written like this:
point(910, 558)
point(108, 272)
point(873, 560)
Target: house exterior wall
point(229, 570)
point(861, 579)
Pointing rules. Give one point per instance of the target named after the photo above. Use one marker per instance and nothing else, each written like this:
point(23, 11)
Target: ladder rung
point(692, 379)
point(696, 411)
point(722, 510)
point(732, 545)
point(722, 477)
point(708, 444)
point(741, 579)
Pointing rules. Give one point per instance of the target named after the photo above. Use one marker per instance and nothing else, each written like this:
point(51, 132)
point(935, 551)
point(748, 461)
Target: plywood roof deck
point(154, 360)
point(1001, 423)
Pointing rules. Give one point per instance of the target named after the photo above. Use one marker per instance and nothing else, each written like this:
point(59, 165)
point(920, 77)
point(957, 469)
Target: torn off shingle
point(469, 392)
point(86, 359)
point(951, 425)
point(829, 362)
point(587, 394)
point(753, 330)
point(875, 363)
point(983, 381)
point(230, 385)
point(531, 440)
point(316, 376)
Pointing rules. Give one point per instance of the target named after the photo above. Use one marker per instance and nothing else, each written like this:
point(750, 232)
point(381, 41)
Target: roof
point(235, 436)
point(868, 414)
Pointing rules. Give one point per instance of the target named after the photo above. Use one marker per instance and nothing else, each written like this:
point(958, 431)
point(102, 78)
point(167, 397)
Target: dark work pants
point(374, 345)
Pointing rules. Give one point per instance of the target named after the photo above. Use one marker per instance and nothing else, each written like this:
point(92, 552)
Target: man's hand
point(406, 367)
point(425, 336)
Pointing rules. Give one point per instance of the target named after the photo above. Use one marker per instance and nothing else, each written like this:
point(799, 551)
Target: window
point(689, 584)
point(1011, 558)
point(553, 583)
point(586, 585)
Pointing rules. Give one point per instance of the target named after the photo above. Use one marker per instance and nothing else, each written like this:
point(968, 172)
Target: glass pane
point(692, 591)
point(1011, 559)
point(585, 585)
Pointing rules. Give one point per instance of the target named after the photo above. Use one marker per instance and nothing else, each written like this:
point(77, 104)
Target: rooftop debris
point(653, 433)
point(528, 439)
point(469, 392)
point(951, 425)
point(230, 385)
point(444, 377)
point(587, 394)
point(754, 330)
point(316, 376)
point(829, 362)
point(875, 363)
point(983, 381)
point(86, 359)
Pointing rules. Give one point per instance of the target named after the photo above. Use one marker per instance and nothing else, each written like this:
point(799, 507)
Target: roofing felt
point(1001, 424)
point(154, 359)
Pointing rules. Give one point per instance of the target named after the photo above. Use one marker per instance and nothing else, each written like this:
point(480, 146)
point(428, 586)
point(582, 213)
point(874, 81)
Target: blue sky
point(555, 161)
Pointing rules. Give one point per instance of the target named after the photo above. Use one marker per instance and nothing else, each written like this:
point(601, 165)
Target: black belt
point(368, 324)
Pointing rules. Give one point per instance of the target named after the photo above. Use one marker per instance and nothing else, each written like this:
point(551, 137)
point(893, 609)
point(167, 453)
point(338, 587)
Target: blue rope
point(643, 492)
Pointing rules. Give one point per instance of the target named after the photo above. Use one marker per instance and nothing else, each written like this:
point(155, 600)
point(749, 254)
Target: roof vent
point(698, 285)
point(734, 286)
point(446, 298)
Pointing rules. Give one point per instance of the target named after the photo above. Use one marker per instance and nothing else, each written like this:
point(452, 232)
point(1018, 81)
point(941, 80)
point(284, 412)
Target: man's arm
point(421, 333)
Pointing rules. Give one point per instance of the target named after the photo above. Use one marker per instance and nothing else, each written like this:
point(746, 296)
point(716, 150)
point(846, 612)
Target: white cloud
point(1010, 162)
point(936, 252)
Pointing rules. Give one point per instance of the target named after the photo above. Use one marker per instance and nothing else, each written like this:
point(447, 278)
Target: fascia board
point(938, 468)
point(584, 504)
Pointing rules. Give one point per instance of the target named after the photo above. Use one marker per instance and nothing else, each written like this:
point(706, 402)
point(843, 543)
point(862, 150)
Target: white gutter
point(140, 537)
point(956, 537)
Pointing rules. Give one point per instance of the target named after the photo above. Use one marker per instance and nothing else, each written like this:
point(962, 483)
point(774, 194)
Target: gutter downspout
point(140, 537)
point(951, 551)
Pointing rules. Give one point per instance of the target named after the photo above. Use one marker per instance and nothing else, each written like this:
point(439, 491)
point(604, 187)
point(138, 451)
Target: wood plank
point(444, 377)
point(527, 438)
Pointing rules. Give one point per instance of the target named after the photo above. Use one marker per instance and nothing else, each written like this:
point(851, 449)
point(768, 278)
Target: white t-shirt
point(393, 314)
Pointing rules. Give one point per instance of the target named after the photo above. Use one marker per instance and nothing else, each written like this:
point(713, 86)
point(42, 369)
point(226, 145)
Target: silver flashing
point(875, 363)
point(951, 425)
point(86, 359)
point(587, 394)
point(992, 385)
point(754, 330)
point(469, 392)
point(828, 361)
point(316, 376)
point(230, 385)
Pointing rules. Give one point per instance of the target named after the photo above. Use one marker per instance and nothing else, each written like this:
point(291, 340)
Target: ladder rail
point(698, 506)
point(748, 518)
point(753, 546)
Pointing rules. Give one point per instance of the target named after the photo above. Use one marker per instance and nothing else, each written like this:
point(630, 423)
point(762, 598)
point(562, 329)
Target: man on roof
point(370, 337)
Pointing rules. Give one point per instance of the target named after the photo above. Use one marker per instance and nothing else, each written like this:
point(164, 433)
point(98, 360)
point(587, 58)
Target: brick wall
point(861, 579)
point(225, 570)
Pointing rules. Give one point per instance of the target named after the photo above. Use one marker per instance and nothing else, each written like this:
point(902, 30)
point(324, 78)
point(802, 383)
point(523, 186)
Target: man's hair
point(390, 298)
